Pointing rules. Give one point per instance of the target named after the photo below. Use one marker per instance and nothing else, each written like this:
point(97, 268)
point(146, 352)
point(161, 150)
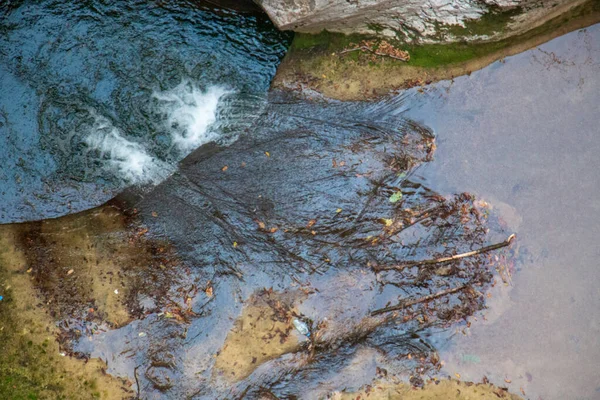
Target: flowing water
point(99, 95)
point(254, 234)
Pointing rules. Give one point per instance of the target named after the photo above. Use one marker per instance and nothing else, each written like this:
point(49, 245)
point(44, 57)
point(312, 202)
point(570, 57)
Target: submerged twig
point(404, 304)
point(446, 259)
point(137, 382)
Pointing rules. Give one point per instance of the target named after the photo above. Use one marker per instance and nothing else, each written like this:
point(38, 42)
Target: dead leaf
point(267, 154)
point(209, 291)
point(224, 168)
point(70, 272)
point(154, 214)
point(311, 223)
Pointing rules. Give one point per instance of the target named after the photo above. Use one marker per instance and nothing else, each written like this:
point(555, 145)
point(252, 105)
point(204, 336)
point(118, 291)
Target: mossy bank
point(330, 64)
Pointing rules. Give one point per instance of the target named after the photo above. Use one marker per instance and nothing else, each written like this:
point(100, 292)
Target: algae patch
point(65, 279)
point(32, 365)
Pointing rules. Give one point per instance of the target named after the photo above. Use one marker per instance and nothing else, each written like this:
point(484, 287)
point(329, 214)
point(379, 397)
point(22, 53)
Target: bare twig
point(404, 304)
point(446, 259)
point(137, 382)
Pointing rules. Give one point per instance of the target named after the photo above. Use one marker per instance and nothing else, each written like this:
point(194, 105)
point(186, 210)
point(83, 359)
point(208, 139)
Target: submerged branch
point(446, 259)
point(404, 304)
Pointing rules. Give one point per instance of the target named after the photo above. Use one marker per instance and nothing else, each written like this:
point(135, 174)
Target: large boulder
point(423, 20)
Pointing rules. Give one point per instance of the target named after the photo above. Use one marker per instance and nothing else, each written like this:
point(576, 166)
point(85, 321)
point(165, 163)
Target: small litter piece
point(142, 334)
point(116, 291)
point(301, 327)
point(396, 197)
point(1, 298)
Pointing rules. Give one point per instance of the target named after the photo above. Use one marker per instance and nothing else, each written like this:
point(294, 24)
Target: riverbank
point(323, 63)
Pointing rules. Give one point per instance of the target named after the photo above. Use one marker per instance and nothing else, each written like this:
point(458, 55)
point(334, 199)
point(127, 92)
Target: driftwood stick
point(446, 259)
point(404, 304)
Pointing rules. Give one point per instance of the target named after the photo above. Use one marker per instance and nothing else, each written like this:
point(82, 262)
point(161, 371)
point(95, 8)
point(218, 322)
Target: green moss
point(19, 358)
point(440, 55)
point(375, 27)
point(494, 21)
point(26, 369)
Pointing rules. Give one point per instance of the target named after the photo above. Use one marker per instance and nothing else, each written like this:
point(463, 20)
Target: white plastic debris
point(301, 327)
point(142, 334)
point(116, 291)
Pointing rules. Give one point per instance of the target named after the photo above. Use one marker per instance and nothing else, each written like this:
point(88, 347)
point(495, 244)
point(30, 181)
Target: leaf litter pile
point(306, 248)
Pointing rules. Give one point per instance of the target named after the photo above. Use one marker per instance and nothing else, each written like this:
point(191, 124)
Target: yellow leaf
point(339, 210)
point(267, 154)
point(234, 244)
point(457, 375)
point(388, 222)
point(224, 168)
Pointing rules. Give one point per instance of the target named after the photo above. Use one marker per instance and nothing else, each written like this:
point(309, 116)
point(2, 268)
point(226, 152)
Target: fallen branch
point(404, 304)
point(446, 259)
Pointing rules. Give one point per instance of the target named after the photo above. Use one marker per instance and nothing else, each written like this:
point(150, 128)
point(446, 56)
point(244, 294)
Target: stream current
point(277, 203)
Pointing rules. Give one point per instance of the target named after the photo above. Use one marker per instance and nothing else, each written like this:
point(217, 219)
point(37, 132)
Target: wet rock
point(413, 19)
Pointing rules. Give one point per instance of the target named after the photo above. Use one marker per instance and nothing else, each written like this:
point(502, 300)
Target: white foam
point(190, 114)
point(128, 160)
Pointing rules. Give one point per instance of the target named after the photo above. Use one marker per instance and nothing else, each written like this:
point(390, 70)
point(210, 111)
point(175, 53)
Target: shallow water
point(523, 133)
point(188, 283)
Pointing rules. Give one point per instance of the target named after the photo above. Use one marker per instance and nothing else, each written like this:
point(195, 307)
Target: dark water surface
point(96, 96)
